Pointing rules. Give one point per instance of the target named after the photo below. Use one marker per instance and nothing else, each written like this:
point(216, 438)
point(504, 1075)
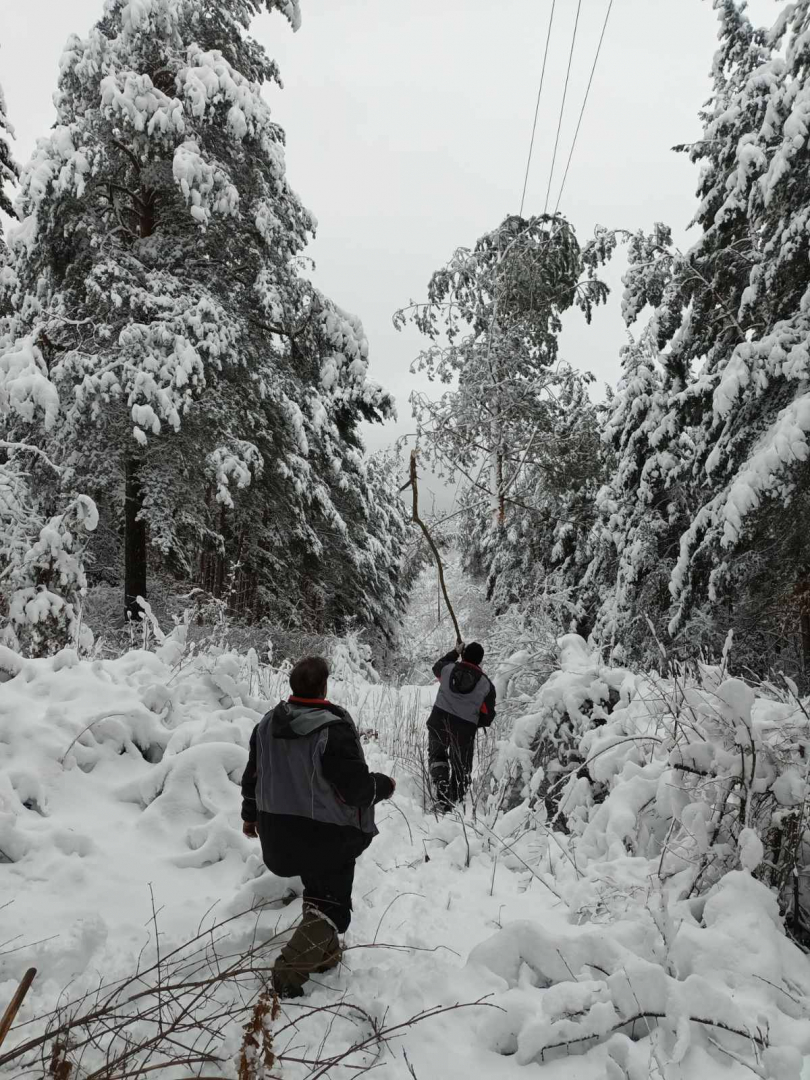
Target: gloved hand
point(383, 782)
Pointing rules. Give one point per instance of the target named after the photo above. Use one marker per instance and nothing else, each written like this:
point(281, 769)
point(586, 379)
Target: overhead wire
point(562, 106)
point(584, 103)
point(537, 106)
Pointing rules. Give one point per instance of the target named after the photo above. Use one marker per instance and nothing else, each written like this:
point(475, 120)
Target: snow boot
point(332, 960)
point(440, 787)
point(313, 948)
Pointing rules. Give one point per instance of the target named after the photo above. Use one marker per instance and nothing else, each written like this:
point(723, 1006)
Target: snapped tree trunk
point(134, 541)
point(413, 484)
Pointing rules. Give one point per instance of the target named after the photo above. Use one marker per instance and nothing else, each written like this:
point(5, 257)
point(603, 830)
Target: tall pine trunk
point(134, 541)
point(497, 467)
point(135, 529)
point(801, 595)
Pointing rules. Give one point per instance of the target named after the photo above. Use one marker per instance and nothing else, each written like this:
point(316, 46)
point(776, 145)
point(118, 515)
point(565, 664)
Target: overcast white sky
point(408, 126)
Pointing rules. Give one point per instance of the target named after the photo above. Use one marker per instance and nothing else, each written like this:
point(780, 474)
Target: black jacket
point(439, 716)
point(293, 845)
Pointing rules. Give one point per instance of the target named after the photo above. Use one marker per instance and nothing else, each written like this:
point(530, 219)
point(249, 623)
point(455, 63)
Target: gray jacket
point(463, 690)
point(309, 763)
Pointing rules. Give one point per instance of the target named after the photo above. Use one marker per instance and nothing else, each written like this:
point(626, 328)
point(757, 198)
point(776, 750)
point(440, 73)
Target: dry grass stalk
point(176, 1017)
point(59, 1066)
point(257, 1056)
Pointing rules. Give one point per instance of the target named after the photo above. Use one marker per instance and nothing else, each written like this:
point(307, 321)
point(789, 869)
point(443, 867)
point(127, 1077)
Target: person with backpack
point(465, 702)
point(309, 797)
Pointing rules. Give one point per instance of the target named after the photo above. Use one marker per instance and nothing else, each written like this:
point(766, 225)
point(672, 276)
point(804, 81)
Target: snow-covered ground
point(119, 791)
point(119, 817)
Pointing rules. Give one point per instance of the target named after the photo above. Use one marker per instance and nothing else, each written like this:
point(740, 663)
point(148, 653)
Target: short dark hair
point(308, 677)
point(473, 653)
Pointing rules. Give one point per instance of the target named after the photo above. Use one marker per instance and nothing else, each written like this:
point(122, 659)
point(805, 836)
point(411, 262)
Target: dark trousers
point(451, 746)
point(322, 855)
point(330, 892)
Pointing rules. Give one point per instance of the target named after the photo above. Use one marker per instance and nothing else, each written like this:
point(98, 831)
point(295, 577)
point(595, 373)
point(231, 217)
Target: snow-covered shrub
point(350, 659)
point(42, 588)
point(684, 801)
point(704, 776)
point(701, 773)
point(671, 993)
point(547, 726)
point(173, 724)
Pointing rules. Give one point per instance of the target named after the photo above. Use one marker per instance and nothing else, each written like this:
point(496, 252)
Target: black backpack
point(464, 679)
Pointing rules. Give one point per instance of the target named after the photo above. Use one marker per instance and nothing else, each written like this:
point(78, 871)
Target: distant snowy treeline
point(682, 501)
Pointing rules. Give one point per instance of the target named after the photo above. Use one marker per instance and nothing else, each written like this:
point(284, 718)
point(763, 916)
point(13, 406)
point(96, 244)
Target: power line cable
point(562, 106)
point(584, 103)
point(537, 106)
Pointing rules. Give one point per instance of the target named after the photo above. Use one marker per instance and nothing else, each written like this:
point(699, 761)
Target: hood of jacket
point(297, 720)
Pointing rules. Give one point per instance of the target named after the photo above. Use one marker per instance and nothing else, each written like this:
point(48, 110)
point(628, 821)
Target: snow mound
point(133, 729)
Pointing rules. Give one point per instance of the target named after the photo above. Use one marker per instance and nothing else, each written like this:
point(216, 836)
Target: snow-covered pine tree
point(535, 559)
point(359, 570)
point(639, 510)
point(9, 170)
point(493, 315)
point(158, 269)
point(41, 567)
point(517, 425)
point(43, 576)
point(732, 325)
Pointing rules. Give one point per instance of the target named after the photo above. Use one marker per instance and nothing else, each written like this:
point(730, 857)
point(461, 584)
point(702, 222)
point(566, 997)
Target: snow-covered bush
point(548, 724)
point(181, 720)
point(675, 992)
point(701, 773)
point(43, 576)
point(684, 801)
point(350, 659)
point(704, 776)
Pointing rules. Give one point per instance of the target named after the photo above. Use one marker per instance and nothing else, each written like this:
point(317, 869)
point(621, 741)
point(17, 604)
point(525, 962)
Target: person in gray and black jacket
point(309, 796)
point(465, 702)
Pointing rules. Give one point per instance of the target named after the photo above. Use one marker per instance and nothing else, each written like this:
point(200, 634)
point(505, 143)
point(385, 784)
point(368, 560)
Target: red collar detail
point(308, 700)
